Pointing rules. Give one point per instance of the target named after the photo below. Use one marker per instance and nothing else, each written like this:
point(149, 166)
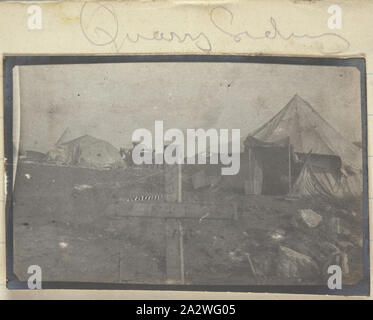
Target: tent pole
point(181, 230)
point(181, 248)
point(251, 179)
point(179, 183)
point(289, 154)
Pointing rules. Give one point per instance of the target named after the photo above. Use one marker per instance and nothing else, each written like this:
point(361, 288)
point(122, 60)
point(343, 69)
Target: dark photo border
point(9, 62)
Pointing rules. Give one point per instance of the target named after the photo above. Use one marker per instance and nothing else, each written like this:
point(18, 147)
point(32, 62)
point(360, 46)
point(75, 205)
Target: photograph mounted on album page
point(183, 147)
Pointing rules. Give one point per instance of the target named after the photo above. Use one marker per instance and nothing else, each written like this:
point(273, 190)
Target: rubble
point(335, 225)
point(293, 264)
point(310, 217)
point(200, 179)
point(277, 235)
point(81, 187)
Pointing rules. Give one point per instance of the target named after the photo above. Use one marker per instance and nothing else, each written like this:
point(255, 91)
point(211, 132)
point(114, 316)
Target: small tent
point(85, 151)
point(308, 132)
point(322, 183)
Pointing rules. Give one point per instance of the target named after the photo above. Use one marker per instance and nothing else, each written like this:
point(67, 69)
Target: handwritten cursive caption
point(100, 26)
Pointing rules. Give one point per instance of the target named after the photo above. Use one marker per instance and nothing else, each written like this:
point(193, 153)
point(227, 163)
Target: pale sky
point(110, 101)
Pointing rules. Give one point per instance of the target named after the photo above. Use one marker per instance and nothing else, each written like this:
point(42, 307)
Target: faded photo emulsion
point(193, 173)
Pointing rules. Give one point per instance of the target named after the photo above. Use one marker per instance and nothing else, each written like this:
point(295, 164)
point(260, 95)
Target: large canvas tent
point(85, 151)
point(307, 132)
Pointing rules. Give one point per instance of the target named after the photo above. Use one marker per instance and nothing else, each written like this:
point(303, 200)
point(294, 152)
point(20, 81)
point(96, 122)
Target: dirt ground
point(83, 225)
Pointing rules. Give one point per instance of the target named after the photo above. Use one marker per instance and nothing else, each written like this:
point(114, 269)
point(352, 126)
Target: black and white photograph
point(220, 174)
